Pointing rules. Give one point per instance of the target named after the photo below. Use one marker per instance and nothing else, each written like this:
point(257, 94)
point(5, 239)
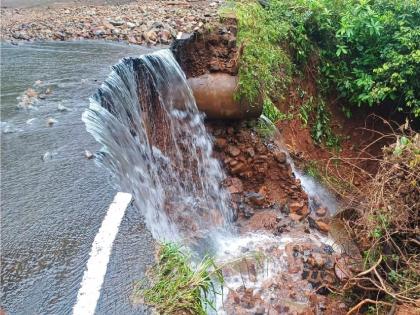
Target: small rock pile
point(267, 197)
point(140, 22)
point(260, 178)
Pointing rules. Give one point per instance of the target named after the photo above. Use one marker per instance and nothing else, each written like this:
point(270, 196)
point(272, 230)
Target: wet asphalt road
point(53, 199)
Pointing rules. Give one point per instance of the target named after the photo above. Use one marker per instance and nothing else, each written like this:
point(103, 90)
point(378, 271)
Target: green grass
point(175, 286)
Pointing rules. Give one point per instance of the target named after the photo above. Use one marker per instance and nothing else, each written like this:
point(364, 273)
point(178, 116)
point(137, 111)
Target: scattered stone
point(250, 152)
point(235, 186)
point(220, 143)
point(62, 108)
point(321, 211)
point(233, 151)
point(239, 168)
point(116, 22)
point(255, 198)
point(295, 217)
point(51, 121)
point(89, 155)
point(280, 157)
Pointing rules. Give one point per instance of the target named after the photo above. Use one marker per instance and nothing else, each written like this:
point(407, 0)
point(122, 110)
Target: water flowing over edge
point(156, 147)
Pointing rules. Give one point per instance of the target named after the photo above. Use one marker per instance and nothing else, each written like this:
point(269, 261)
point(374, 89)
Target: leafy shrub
point(369, 50)
point(377, 56)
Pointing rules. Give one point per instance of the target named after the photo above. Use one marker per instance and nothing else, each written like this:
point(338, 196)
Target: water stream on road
point(53, 199)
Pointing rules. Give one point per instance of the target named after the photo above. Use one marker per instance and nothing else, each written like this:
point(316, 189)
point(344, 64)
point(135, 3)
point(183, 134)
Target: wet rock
point(165, 36)
point(319, 225)
point(233, 151)
point(250, 152)
point(328, 249)
point(321, 211)
point(296, 206)
point(220, 143)
point(322, 226)
point(255, 198)
point(62, 108)
point(285, 209)
point(31, 93)
point(280, 157)
point(263, 191)
point(295, 217)
point(88, 155)
point(317, 260)
point(239, 168)
point(150, 37)
point(51, 121)
point(299, 208)
point(235, 186)
point(248, 212)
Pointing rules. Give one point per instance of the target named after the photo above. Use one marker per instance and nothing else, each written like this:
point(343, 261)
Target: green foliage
point(369, 50)
point(321, 129)
point(271, 111)
point(377, 57)
point(305, 111)
point(176, 287)
point(265, 67)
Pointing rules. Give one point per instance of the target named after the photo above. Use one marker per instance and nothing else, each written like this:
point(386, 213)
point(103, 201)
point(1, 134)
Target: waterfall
point(156, 147)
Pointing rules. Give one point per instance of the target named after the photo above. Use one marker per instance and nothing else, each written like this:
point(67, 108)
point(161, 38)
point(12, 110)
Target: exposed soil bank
point(210, 62)
point(268, 199)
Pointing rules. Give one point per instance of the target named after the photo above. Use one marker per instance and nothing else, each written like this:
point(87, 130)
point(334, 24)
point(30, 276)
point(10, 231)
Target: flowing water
point(53, 199)
point(315, 191)
point(155, 145)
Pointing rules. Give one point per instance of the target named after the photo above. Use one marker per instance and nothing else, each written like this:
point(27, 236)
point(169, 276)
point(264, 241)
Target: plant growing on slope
point(177, 287)
point(387, 229)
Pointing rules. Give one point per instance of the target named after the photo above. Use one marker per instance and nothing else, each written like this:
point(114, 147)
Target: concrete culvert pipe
point(214, 95)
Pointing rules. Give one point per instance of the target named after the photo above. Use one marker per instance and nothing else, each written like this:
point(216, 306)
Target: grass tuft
point(174, 286)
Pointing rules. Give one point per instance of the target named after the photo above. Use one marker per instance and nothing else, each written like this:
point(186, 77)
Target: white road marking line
point(94, 275)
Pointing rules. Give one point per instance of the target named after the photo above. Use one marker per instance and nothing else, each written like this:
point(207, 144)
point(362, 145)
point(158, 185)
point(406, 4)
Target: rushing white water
point(155, 145)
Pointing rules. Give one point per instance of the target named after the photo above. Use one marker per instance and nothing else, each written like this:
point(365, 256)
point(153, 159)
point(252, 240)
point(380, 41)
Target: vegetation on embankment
point(175, 286)
point(365, 52)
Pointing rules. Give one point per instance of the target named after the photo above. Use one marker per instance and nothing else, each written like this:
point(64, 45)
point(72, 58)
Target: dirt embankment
point(267, 198)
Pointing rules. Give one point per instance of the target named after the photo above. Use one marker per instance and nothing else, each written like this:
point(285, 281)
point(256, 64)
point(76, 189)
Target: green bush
point(368, 51)
point(377, 54)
